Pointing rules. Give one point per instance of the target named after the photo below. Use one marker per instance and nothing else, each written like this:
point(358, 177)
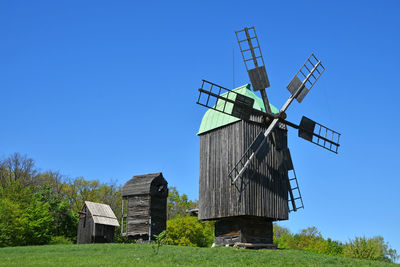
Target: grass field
point(143, 255)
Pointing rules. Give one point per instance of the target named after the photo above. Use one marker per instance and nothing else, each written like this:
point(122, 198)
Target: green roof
point(214, 119)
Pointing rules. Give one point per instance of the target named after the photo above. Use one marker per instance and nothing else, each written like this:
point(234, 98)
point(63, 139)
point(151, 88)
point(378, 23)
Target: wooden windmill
point(247, 178)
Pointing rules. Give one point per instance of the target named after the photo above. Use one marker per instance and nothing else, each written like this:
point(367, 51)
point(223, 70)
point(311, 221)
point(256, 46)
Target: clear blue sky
point(107, 91)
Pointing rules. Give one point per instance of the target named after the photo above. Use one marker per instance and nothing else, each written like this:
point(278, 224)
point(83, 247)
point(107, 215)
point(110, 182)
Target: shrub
point(308, 239)
point(188, 231)
point(373, 249)
point(60, 240)
point(334, 248)
point(286, 240)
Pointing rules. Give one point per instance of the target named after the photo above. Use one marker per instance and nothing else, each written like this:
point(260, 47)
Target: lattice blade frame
point(305, 78)
point(229, 102)
point(319, 134)
point(252, 57)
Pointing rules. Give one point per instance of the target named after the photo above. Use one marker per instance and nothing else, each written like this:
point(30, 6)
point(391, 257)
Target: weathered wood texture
point(146, 198)
point(104, 233)
point(85, 227)
point(243, 229)
point(96, 224)
point(138, 214)
point(263, 189)
point(152, 183)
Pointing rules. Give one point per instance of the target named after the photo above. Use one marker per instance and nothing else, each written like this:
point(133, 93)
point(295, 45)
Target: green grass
point(143, 255)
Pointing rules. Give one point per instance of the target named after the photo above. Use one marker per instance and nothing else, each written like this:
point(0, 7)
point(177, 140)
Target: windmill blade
point(294, 190)
point(254, 62)
point(252, 57)
point(241, 166)
point(226, 101)
point(257, 148)
point(305, 78)
point(318, 134)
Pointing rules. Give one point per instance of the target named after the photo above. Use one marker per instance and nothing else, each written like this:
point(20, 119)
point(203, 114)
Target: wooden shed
point(97, 223)
point(144, 206)
point(245, 210)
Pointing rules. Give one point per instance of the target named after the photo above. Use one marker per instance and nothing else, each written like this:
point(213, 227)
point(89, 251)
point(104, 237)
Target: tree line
point(41, 207)
point(311, 239)
point(38, 208)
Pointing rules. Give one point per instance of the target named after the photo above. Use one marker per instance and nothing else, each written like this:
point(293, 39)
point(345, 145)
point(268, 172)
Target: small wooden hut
point(96, 223)
point(144, 206)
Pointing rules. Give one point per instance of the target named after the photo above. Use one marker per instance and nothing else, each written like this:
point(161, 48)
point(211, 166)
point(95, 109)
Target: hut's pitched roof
point(213, 119)
point(102, 213)
point(141, 184)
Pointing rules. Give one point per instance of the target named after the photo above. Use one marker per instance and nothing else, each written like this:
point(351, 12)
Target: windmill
point(247, 178)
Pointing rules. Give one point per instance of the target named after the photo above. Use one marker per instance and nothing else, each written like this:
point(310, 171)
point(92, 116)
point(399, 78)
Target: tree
point(19, 168)
point(37, 206)
point(54, 179)
point(12, 223)
point(177, 204)
point(79, 190)
point(39, 227)
point(279, 231)
point(24, 218)
point(65, 219)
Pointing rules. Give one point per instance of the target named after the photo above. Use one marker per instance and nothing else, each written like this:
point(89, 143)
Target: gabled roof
point(145, 184)
point(102, 213)
point(213, 119)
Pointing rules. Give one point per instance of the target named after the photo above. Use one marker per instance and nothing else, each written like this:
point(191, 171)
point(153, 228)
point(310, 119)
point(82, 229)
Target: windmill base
point(244, 231)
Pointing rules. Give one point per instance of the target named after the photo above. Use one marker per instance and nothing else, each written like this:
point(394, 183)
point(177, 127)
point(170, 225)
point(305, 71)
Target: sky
point(107, 90)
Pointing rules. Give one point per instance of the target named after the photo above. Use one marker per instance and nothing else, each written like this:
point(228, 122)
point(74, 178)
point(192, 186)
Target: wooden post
point(149, 229)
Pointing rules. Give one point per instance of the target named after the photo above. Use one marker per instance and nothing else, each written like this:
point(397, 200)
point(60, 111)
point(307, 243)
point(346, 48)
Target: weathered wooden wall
point(85, 228)
point(243, 229)
point(138, 213)
point(91, 232)
point(263, 190)
point(140, 209)
point(145, 197)
point(104, 233)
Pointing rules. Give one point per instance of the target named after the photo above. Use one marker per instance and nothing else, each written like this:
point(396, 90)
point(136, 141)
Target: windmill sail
point(295, 197)
point(244, 162)
point(305, 78)
point(242, 107)
point(252, 57)
point(229, 102)
point(318, 134)
point(254, 62)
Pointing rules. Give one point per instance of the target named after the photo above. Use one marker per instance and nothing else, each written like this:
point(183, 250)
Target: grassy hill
point(143, 255)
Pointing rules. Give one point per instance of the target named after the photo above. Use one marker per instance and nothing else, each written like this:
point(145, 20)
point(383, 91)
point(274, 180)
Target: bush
point(372, 249)
point(286, 240)
point(334, 248)
point(188, 231)
point(60, 240)
point(311, 239)
point(308, 239)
